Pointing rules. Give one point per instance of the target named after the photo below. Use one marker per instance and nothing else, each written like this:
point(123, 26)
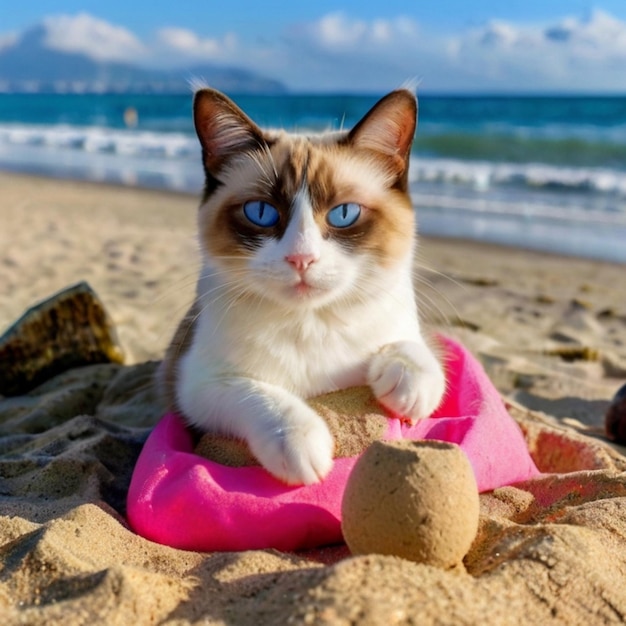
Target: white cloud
point(94, 37)
point(570, 54)
point(7, 40)
point(186, 43)
point(338, 52)
point(600, 34)
point(337, 31)
point(573, 54)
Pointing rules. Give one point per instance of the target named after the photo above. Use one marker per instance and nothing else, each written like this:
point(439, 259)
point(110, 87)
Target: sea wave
point(477, 175)
point(485, 175)
point(102, 140)
point(578, 147)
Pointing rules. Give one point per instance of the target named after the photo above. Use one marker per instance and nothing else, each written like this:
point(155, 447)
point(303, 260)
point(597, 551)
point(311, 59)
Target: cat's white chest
point(310, 357)
point(306, 356)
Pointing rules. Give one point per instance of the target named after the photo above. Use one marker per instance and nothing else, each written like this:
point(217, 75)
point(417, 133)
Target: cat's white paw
point(407, 380)
point(300, 450)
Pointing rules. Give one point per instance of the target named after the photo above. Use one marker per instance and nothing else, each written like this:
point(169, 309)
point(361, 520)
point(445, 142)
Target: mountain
point(29, 64)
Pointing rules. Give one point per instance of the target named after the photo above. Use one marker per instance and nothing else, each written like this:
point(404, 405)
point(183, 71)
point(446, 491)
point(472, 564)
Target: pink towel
point(185, 501)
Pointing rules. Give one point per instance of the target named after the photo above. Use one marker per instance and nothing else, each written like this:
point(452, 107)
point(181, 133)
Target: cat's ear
point(223, 129)
point(388, 128)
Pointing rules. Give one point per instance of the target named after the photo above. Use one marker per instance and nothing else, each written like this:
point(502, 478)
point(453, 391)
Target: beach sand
point(550, 331)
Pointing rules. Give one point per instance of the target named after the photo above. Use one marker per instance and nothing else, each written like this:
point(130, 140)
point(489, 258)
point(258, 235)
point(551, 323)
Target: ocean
point(546, 173)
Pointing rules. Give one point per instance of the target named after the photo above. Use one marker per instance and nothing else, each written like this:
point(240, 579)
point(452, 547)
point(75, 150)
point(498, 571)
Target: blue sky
point(454, 45)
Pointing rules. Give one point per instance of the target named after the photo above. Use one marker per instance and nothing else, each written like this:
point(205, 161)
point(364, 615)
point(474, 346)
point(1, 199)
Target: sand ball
point(413, 499)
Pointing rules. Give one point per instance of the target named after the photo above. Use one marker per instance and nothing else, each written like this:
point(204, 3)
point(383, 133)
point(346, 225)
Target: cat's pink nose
point(300, 262)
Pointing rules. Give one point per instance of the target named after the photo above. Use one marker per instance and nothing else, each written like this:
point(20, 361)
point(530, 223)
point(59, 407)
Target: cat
point(306, 283)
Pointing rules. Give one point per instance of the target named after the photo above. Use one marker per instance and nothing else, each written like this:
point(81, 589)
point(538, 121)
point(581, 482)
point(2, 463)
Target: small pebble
point(615, 420)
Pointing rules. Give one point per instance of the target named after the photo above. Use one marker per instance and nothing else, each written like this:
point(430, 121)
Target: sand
point(551, 332)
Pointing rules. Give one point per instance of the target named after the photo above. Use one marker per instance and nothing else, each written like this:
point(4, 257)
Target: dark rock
point(69, 329)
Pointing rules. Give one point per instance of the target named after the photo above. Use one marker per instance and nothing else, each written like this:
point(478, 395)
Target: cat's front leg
point(407, 379)
point(288, 438)
point(296, 445)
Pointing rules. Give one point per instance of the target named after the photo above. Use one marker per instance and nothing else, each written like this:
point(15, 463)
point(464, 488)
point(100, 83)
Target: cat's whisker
point(190, 326)
point(220, 320)
point(422, 275)
point(226, 291)
point(230, 294)
point(432, 312)
point(420, 266)
point(420, 279)
point(169, 285)
point(423, 300)
point(373, 287)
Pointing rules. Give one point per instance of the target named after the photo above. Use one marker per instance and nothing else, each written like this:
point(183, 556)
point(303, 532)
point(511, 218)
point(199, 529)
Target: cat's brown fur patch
point(387, 226)
point(178, 346)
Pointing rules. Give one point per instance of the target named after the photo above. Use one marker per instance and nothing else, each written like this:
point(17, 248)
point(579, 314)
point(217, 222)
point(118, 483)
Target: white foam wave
point(477, 175)
point(98, 139)
point(484, 175)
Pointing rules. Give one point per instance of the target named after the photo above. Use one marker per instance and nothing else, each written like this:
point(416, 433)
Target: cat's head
point(306, 220)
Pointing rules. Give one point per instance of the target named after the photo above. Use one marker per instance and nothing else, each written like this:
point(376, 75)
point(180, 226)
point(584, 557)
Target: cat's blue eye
point(344, 215)
point(261, 213)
